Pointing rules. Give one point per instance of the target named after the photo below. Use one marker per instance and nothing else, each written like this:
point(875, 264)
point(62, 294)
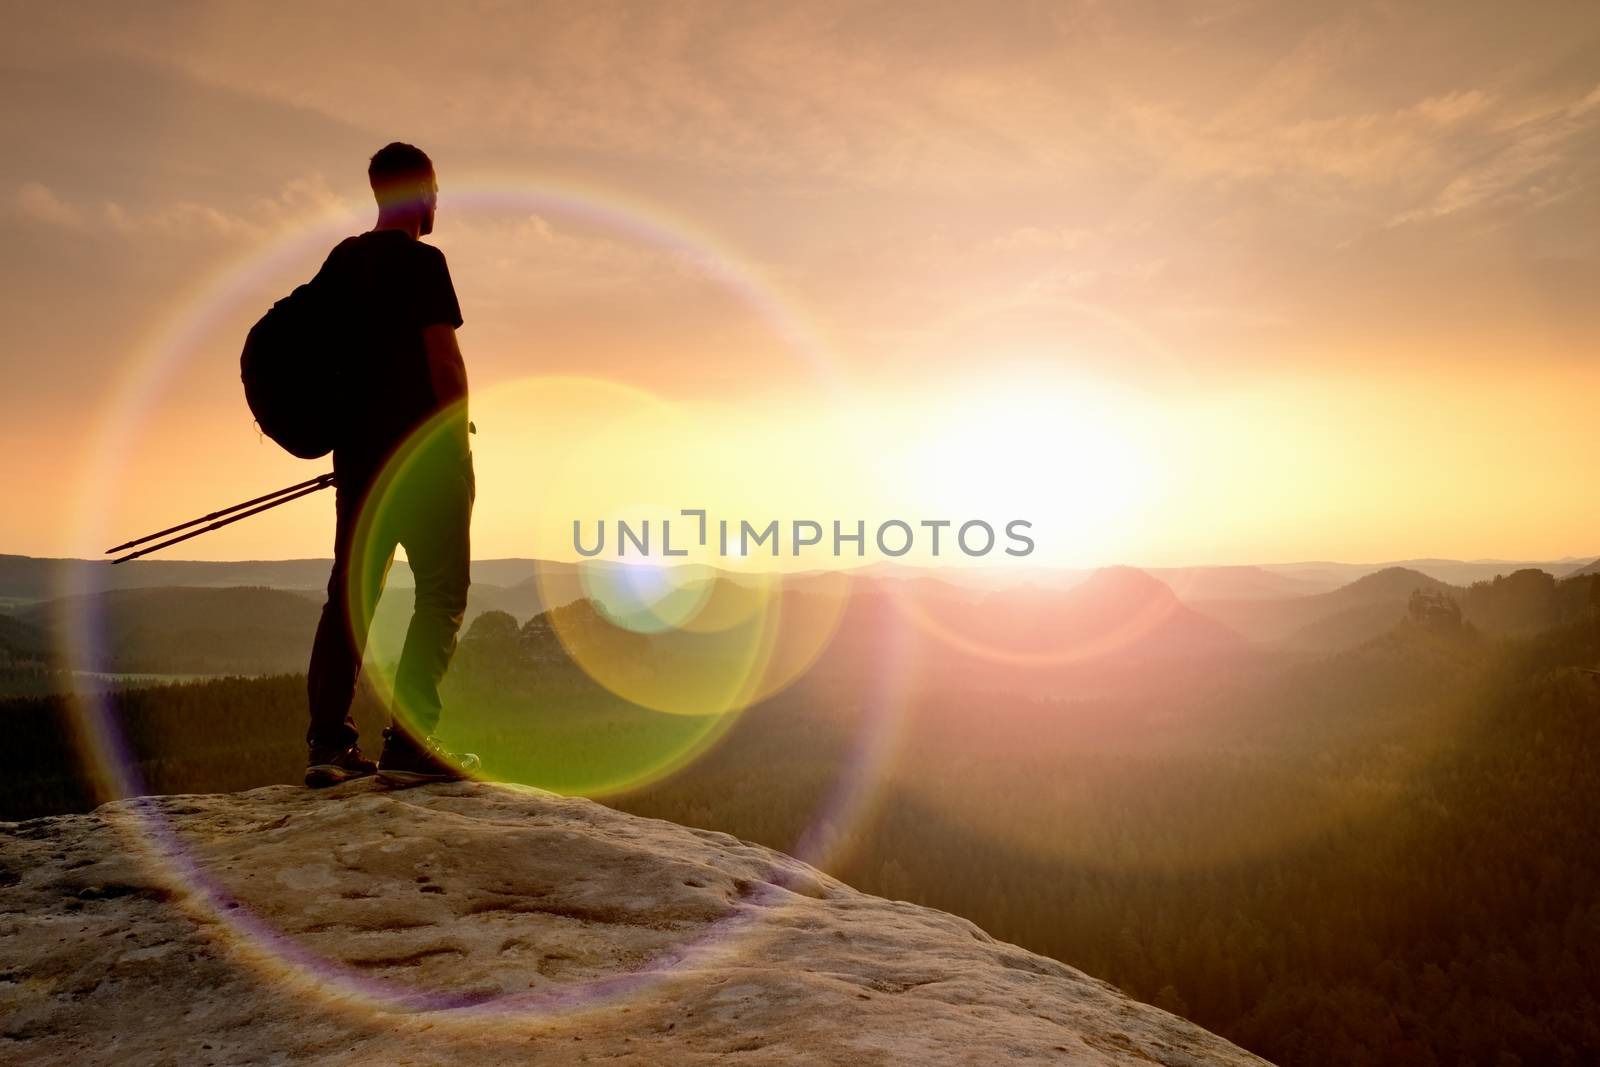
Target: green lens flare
point(627, 669)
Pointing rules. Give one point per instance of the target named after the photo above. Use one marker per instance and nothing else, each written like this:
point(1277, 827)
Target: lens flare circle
point(629, 669)
point(780, 628)
point(646, 598)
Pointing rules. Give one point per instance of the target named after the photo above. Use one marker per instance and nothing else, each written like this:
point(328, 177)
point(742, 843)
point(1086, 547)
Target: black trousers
point(427, 508)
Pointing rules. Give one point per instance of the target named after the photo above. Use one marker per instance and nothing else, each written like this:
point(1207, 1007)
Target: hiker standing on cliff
point(391, 297)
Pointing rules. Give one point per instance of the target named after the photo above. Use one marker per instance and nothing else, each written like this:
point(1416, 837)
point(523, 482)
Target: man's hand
point(448, 373)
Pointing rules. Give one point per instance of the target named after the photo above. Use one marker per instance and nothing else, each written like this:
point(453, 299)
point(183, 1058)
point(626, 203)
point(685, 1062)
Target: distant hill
point(1584, 571)
point(1116, 615)
point(227, 630)
point(250, 630)
point(1389, 584)
point(1453, 571)
point(28, 579)
point(1119, 614)
point(26, 664)
point(1192, 584)
point(21, 640)
point(31, 578)
point(1522, 602)
point(1338, 619)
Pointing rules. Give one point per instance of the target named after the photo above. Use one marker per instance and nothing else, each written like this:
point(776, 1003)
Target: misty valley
point(1335, 821)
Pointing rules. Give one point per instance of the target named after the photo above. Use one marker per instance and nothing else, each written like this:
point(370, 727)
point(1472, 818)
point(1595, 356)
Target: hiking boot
point(408, 762)
point(330, 766)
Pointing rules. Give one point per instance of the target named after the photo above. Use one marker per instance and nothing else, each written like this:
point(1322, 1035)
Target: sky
point(1177, 283)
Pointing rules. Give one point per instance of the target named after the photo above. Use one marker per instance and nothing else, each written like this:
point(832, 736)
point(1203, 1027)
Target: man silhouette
point(390, 297)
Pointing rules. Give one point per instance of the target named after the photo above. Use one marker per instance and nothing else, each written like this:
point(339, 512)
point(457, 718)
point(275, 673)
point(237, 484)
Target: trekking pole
point(234, 514)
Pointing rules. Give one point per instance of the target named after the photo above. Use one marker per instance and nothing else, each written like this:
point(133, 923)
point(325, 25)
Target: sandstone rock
point(469, 923)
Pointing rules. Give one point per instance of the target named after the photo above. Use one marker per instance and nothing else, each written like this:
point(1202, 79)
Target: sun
point(1077, 461)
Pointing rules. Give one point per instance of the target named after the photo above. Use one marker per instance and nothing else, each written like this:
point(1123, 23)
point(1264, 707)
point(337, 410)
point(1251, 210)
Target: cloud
point(301, 198)
point(180, 220)
point(1365, 149)
point(1453, 107)
point(1527, 148)
point(826, 91)
point(300, 201)
point(881, 169)
point(40, 203)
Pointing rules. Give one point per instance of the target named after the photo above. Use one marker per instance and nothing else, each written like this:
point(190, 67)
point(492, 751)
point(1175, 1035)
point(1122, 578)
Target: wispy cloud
point(1521, 164)
point(297, 202)
point(1188, 170)
point(38, 202)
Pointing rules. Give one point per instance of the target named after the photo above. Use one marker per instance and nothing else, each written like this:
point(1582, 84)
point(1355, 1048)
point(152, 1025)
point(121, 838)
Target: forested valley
point(1385, 855)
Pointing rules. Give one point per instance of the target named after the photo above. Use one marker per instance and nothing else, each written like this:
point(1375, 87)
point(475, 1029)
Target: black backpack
point(292, 370)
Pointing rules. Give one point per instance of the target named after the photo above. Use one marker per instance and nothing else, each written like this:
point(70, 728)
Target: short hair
point(398, 167)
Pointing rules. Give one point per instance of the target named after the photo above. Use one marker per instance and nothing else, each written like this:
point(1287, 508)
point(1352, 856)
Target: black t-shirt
point(383, 288)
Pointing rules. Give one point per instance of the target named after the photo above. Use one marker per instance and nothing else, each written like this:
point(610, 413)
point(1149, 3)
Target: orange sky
point(1179, 283)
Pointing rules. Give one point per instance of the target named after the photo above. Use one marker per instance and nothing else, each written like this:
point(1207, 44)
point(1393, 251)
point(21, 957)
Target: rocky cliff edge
point(470, 923)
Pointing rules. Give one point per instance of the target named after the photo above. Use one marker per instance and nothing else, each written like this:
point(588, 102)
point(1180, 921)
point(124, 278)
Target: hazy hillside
point(1115, 615)
point(1450, 571)
point(21, 641)
point(1332, 620)
point(1116, 618)
point(192, 630)
point(1521, 602)
point(1193, 584)
point(26, 578)
point(29, 578)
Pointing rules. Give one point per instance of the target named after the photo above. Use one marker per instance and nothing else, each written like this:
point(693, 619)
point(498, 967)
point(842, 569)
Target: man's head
point(403, 181)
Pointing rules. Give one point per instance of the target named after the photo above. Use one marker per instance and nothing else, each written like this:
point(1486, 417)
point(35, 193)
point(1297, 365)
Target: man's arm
point(447, 371)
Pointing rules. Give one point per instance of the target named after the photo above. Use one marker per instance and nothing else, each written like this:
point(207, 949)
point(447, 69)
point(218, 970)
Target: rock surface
point(467, 923)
